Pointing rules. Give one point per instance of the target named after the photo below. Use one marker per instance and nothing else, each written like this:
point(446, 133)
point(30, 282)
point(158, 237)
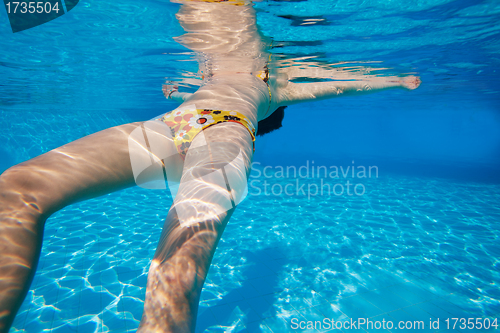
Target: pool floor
point(410, 249)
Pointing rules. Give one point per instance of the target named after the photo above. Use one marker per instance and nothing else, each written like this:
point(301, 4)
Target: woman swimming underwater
point(206, 145)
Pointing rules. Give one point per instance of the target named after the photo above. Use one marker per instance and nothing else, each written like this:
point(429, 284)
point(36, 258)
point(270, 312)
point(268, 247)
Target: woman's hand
point(169, 89)
point(411, 82)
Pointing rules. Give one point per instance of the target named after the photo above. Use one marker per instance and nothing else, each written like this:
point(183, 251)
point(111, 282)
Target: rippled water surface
point(420, 244)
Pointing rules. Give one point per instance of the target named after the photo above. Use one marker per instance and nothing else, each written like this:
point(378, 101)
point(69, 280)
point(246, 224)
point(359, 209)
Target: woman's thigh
point(214, 177)
point(95, 165)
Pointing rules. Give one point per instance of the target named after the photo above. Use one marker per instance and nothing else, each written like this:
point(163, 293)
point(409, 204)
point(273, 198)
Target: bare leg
point(31, 191)
point(194, 226)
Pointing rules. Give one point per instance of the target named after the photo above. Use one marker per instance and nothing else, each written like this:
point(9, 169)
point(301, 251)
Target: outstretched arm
point(300, 92)
point(172, 92)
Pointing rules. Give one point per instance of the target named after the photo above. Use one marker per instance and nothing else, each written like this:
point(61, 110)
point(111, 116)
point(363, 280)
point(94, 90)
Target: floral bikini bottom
point(186, 124)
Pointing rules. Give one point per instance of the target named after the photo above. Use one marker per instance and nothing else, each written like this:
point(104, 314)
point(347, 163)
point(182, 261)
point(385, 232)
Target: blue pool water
point(421, 243)
point(411, 249)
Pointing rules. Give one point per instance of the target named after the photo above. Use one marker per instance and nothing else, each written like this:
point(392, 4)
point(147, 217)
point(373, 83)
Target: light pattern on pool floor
point(412, 249)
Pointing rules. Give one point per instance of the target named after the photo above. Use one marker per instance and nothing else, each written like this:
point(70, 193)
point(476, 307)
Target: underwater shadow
point(248, 302)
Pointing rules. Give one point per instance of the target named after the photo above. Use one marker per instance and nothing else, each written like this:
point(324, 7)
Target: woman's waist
point(242, 92)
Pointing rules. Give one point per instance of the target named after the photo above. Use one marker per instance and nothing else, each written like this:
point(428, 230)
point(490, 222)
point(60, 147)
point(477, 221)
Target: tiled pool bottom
point(410, 249)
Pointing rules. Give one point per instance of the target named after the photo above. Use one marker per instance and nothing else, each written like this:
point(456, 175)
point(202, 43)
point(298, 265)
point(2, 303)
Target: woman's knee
point(18, 193)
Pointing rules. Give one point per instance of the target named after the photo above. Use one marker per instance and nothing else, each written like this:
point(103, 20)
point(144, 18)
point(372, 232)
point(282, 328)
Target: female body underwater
point(212, 130)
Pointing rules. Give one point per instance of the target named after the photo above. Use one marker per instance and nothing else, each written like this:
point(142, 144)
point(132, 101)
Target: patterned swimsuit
point(186, 124)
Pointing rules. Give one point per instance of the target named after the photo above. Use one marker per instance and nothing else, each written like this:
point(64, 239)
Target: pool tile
point(433, 310)
point(249, 291)
point(276, 265)
point(131, 323)
point(272, 299)
point(49, 293)
point(300, 303)
point(90, 302)
point(87, 325)
point(403, 291)
point(418, 313)
point(331, 311)
point(264, 328)
point(278, 325)
point(113, 322)
point(221, 313)
point(493, 311)
point(205, 319)
point(428, 283)
point(315, 299)
point(311, 314)
point(356, 307)
point(452, 309)
point(65, 328)
point(385, 300)
point(261, 307)
point(24, 311)
point(252, 315)
point(261, 272)
point(275, 253)
point(382, 280)
point(131, 306)
point(420, 291)
point(232, 296)
point(264, 285)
